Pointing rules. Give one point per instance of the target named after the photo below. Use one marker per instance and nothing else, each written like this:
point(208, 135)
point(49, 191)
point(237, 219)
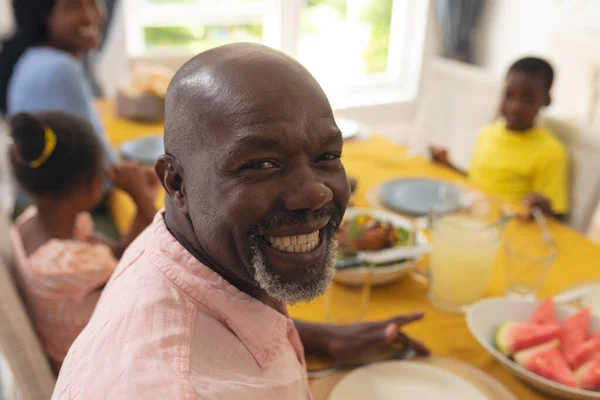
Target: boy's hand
point(138, 181)
point(534, 200)
point(439, 155)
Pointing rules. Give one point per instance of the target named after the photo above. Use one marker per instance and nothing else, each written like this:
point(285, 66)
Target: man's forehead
point(214, 95)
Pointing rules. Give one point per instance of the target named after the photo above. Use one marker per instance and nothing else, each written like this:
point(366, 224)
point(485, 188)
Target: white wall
point(510, 29)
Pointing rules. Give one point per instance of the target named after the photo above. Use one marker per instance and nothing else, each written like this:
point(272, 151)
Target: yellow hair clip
point(49, 146)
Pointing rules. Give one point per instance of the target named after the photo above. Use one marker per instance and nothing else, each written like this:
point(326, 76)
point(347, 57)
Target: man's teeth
point(295, 244)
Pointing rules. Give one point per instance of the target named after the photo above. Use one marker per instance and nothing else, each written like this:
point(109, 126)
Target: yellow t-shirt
point(515, 164)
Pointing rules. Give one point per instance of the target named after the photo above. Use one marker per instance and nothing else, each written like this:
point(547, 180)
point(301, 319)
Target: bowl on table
point(484, 318)
point(381, 274)
point(144, 151)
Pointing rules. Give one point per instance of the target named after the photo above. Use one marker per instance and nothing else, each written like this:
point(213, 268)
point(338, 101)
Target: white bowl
point(381, 275)
point(484, 317)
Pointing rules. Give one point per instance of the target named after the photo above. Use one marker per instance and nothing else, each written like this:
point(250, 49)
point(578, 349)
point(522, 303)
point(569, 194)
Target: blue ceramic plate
point(417, 196)
point(144, 151)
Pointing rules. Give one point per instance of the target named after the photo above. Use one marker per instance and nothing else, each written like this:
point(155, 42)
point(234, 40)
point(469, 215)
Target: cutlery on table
point(384, 256)
point(538, 215)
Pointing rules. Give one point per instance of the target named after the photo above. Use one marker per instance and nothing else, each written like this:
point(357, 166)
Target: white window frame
point(281, 30)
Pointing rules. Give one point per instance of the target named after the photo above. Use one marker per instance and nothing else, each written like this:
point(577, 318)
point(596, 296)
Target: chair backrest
point(7, 182)
point(584, 157)
point(458, 100)
point(20, 348)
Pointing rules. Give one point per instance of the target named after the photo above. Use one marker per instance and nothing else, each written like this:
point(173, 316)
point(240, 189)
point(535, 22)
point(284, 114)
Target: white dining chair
point(584, 158)
point(7, 183)
point(25, 370)
point(458, 100)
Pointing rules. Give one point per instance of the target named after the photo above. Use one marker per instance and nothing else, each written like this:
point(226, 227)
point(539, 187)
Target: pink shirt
point(61, 283)
point(168, 327)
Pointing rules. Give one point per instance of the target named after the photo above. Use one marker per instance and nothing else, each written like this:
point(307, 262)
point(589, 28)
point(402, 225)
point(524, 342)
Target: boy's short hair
point(535, 66)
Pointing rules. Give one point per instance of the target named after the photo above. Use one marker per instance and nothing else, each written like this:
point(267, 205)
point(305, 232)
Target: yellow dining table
point(376, 160)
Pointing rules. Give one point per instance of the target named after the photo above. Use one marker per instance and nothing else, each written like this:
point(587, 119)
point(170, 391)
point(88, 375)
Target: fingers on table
point(420, 348)
point(402, 320)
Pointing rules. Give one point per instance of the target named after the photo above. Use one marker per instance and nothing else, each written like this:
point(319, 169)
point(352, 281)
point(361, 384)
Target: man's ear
point(171, 179)
point(548, 100)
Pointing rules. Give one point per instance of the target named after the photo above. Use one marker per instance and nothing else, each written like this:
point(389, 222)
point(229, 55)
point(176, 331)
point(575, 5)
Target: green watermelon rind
point(501, 338)
point(506, 341)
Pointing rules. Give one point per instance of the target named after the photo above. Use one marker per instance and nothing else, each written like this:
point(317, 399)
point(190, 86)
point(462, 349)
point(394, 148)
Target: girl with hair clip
point(62, 264)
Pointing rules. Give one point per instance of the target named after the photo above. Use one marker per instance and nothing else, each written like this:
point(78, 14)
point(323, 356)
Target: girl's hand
point(138, 181)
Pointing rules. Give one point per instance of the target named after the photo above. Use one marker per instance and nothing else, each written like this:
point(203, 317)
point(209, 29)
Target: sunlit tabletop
point(372, 162)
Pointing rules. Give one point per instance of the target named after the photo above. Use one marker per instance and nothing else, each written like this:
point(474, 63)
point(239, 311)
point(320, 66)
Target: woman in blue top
point(41, 67)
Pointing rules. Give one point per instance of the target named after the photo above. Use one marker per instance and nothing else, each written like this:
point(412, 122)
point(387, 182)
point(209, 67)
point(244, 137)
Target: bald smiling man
point(255, 194)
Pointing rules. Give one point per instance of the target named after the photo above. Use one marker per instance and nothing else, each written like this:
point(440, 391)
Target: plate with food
point(555, 349)
point(375, 231)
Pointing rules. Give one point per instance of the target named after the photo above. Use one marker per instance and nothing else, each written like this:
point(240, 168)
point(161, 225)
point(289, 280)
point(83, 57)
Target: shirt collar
point(260, 328)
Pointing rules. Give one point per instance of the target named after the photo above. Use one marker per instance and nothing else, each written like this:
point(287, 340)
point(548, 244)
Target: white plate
point(392, 380)
point(418, 196)
point(484, 317)
point(381, 275)
point(350, 129)
point(144, 150)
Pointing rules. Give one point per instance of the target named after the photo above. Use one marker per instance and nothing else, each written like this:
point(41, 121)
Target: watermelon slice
point(574, 331)
point(588, 375)
point(581, 353)
point(547, 361)
point(544, 313)
point(515, 336)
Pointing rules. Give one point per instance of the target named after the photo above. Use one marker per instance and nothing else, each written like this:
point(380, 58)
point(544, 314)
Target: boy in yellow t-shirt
point(514, 157)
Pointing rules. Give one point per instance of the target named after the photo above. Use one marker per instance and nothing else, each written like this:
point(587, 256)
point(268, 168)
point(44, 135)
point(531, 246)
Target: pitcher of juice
point(464, 244)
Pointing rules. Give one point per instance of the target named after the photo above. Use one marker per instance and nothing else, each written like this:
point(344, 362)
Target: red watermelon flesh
point(544, 313)
point(574, 330)
point(547, 361)
point(579, 354)
point(515, 336)
point(588, 375)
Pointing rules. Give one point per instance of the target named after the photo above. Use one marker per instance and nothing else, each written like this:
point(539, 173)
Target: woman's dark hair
point(30, 17)
point(76, 158)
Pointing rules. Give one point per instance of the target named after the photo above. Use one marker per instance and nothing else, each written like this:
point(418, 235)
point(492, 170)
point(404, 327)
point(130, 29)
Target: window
point(361, 51)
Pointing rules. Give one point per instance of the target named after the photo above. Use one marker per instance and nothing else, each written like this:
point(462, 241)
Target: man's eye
point(330, 157)
point(262, 165)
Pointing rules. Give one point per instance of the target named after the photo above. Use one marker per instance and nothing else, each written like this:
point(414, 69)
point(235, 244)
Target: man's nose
point(306, 192)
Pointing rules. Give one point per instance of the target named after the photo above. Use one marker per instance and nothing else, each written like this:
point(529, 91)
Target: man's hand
point(536, 200)
point(439, 155)
point(356, 342)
